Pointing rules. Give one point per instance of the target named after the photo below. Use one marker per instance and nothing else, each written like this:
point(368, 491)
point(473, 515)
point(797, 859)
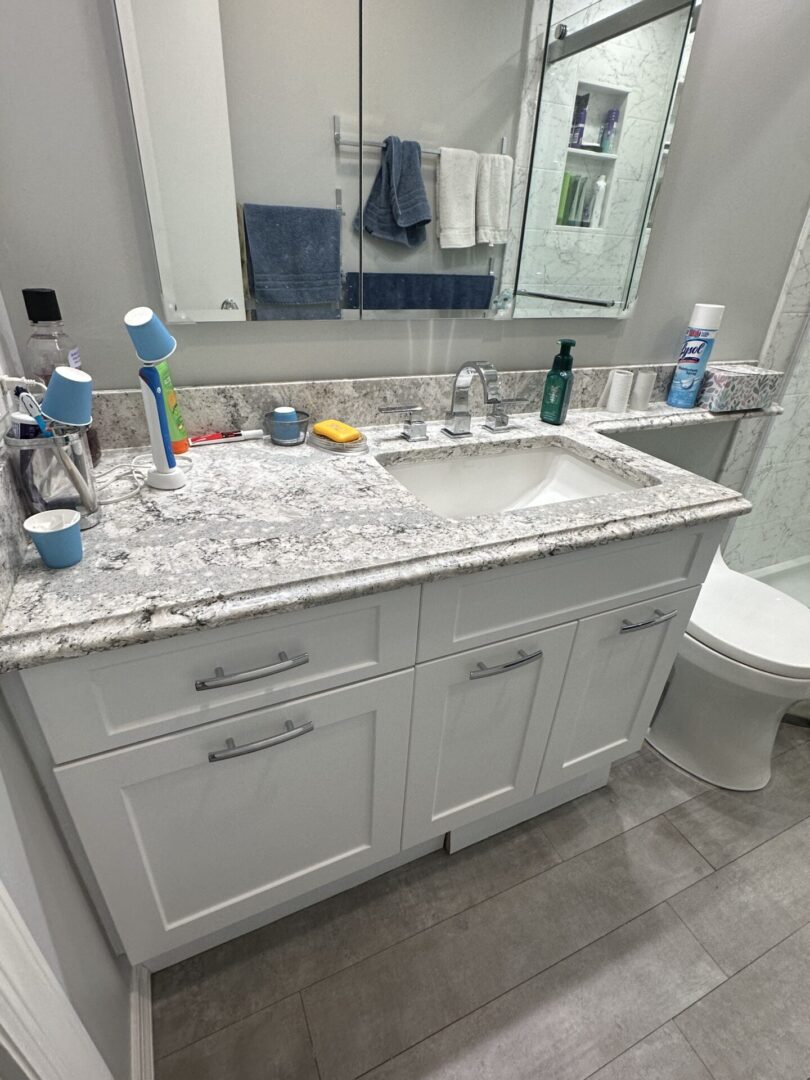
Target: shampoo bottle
point(559, 381)
point(694, 355)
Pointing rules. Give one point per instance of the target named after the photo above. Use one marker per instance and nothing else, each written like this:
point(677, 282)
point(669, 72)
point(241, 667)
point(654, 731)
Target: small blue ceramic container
point(151, 339)
point(69, 398)
point(56, 536)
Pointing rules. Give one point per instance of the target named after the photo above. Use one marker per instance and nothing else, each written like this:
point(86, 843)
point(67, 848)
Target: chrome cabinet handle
point(232, 750)
point(628, 627)
point(285, 663)
point(484, 672)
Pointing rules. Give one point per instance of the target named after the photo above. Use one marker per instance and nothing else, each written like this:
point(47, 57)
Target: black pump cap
point(564, 361)
point(42, 305)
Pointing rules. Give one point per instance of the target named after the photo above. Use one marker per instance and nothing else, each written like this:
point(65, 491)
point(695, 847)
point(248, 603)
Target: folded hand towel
point(493, 195)
point(293, 255)
point(415, 292)
point(397, 208)
point(456, 180)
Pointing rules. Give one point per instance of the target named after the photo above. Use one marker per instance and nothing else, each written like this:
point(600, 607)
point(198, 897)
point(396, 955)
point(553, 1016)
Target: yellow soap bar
point(336, 430)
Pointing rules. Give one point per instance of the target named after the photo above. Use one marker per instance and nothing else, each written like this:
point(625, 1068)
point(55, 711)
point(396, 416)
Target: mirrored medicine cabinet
point(385, 159)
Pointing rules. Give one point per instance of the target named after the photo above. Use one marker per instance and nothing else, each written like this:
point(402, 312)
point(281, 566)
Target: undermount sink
point(468, 485)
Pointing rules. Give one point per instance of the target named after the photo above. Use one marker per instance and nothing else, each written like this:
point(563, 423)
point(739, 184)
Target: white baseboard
point(140, 1022)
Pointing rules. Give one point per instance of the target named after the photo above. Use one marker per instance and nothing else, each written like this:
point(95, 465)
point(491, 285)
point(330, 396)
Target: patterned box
point(734, 387)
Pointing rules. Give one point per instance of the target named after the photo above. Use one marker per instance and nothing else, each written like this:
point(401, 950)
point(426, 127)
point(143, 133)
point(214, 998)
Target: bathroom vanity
point(295, 673)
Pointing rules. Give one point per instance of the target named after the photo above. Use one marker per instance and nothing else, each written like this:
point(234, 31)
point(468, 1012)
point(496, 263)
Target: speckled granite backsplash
point(119, 415)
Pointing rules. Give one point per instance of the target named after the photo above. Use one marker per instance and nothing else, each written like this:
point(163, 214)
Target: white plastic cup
point(642, 390)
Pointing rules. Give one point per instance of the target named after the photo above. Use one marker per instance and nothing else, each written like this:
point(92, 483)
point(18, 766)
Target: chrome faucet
point(457, 420)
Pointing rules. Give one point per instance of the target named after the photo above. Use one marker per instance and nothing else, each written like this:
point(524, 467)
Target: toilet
point(744, 660)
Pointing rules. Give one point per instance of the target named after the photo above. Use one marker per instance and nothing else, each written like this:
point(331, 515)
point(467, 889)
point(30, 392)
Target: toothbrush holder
point(286, 426)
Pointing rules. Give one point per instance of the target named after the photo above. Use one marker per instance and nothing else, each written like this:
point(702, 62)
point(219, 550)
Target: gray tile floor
point(657, 929)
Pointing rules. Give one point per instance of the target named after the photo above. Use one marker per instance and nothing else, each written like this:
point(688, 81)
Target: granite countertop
point(262, 529)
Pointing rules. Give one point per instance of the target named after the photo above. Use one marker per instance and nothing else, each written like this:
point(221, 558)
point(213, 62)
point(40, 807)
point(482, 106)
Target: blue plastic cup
point(69, 397)
point(151, 339)
point(56, 536)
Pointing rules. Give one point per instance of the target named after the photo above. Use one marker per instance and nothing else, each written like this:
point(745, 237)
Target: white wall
point(73, 214)
point(35, 869)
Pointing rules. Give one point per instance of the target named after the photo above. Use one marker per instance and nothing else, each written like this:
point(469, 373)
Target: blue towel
point(383, 292)
point(293, 256)
point(397, 208)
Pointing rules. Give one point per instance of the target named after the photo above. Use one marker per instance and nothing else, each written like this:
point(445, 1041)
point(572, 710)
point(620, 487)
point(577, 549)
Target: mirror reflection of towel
point(293, 255)
point(456, 179)
point(493, 196)
point(397, 208)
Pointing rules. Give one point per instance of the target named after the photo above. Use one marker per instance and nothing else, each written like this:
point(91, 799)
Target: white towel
point(493, 196)
point(455, 181)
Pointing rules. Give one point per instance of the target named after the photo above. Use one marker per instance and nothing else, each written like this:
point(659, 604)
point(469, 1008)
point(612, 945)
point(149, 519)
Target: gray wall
point(35, 869)
point(73, 215)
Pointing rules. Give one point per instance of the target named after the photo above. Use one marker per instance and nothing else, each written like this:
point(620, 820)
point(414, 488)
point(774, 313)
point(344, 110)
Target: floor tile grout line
point(729, 978)
point(528, 979)
point(309, 1035)
point(694, 1050)
point(627, 1049)
point(697, 940)
point(302, 989)
point(742, 854)
point(736, 859)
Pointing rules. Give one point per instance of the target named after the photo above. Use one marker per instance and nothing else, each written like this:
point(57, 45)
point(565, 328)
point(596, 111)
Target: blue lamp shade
point(151, 339)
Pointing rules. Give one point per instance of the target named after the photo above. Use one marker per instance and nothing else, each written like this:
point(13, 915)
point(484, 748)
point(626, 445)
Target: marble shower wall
point(594, 263)
point(778, 528)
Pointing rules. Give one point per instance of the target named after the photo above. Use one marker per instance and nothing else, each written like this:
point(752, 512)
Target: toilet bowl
point(744, 660)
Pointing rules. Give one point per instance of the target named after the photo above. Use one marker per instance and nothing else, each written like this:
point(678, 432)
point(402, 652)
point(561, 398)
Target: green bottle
point(558, 384)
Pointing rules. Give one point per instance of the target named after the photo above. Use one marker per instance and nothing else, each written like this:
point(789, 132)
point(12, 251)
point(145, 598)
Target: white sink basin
point(468, 485)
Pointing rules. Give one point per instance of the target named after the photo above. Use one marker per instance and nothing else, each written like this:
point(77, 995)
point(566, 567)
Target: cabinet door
point(182, 846)
point(618, 668)
point(480, 724)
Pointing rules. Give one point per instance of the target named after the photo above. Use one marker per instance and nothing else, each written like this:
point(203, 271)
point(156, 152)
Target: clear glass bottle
point(49, 346)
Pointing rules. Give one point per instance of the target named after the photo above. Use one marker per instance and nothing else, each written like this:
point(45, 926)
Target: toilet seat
point(752, 623)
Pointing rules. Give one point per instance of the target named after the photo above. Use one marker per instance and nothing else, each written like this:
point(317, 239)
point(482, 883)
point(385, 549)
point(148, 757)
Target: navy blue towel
point(293, 257)
point(382, 292)
point(397, 207)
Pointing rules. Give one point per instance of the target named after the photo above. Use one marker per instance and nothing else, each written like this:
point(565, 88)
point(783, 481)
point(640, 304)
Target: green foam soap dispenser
point(559, 381)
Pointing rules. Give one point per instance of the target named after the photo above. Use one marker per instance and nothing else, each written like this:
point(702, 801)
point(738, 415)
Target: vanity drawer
point(106, 700)
point(183, 846)
point(475, 609)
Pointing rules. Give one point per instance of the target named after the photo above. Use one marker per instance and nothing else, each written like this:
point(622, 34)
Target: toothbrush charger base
point(166, 481)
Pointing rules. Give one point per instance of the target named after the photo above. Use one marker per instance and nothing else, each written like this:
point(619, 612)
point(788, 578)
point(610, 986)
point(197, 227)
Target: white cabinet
point(517, 681)
point(182, 846)
point(480, 724)
point(619, 664)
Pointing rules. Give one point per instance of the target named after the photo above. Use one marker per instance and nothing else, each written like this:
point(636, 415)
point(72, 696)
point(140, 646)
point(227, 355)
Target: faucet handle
point(414, 428)
point(497, 417)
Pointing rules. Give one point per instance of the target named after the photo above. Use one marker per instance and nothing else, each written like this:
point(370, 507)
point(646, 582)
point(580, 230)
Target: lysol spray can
point(694, 355)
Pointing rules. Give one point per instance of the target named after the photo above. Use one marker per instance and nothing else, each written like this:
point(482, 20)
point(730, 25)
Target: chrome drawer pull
point(484, 672)
point(232, 750)
point(628, 627)
point(221, 679)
